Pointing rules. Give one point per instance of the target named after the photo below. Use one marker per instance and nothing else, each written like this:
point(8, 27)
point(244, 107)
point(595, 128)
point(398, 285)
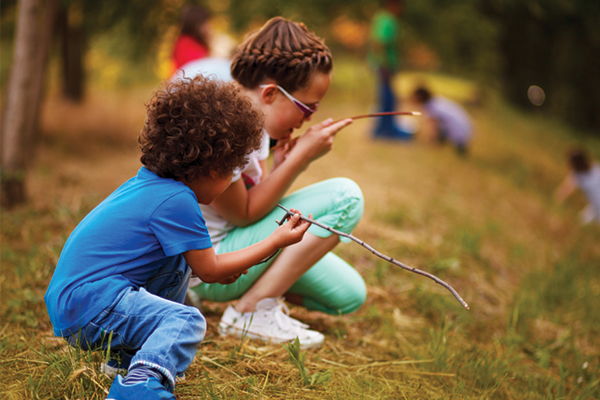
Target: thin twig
point(381, 114)
point(378, 254)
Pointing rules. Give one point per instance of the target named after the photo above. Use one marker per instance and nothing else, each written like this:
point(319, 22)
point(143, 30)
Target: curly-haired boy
point(123, 273)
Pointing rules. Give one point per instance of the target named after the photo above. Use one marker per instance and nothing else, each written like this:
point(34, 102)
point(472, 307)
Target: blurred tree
point(554, 44)
point(24, 95)
point(513, 44)
point(142, 21)
point(464, 39)
point(316, 14)
point(71, 34)
point(74, 21)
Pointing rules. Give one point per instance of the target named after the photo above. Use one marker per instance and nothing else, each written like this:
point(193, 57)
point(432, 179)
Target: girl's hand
point(318, 139)
point(232, 279)
point(292, 231)
point(282, 150)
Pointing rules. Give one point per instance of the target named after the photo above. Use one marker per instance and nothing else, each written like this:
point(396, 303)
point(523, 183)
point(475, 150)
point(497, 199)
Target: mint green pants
point(331, 285)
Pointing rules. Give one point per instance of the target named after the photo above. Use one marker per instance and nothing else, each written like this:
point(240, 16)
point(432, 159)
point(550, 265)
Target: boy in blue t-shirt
point(123, 273)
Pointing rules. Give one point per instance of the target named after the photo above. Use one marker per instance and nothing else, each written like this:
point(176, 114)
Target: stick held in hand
point(378, 254)
point(381, 114)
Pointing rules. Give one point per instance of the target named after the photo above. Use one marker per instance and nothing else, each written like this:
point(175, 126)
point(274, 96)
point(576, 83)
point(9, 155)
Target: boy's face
point(208, 188)
point(282, 116)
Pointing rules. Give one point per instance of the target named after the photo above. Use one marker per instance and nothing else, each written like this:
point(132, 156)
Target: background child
point(451, 122)
point(286, 71)
point(193, 41)
point(584, 175)
point(124, 271)
point(384, 55)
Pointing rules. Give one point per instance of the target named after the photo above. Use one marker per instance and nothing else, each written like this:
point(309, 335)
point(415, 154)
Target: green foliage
point(463, 38)
point(298, 358)
point(553, 44)
point(141, 22)
point(314, 13)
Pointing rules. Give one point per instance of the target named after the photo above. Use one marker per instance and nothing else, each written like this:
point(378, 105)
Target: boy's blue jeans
point(151, 322)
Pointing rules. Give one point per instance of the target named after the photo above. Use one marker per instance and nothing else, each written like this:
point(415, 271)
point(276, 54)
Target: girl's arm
point(242, 206)
point(211, 267)
point(565, 189)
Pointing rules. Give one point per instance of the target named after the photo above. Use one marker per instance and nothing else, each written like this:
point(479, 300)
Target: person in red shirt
point(192, 43)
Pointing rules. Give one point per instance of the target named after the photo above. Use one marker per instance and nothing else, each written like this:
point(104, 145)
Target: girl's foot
point(270, 322)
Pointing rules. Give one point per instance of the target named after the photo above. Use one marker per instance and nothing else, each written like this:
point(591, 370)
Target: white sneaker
point(270, 322)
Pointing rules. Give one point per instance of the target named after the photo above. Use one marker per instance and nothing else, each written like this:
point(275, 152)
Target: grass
point(485, 224)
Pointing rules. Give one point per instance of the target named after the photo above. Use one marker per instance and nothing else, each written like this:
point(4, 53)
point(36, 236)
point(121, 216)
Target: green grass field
point(485, 224)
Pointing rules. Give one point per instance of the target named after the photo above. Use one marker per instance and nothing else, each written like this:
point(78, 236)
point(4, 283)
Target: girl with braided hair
point(285, 70)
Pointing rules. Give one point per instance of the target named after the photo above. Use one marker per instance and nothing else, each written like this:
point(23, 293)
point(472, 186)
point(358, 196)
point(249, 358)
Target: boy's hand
point(232, 279)
point(292, 231)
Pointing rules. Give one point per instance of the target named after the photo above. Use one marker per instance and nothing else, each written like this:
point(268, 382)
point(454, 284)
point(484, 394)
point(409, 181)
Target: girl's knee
point(344, 302)
point(350, 203)
point(354, 300)
point(348, 188)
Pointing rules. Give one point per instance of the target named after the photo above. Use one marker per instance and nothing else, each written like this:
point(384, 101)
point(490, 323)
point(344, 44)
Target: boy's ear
point(213, 174)
point(268, 94)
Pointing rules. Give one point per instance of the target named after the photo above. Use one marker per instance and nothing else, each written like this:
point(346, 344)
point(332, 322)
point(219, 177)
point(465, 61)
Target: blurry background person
point(192, 54)
point(193, 41)
point(584, 175)
point(384, 56)
point(451, 122)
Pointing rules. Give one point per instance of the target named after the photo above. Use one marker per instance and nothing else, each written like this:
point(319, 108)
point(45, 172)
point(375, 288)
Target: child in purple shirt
point(452, 122)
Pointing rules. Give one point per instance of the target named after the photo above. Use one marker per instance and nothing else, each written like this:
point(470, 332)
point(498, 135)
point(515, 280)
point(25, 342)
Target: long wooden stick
point(381, 114)
point(378, 254)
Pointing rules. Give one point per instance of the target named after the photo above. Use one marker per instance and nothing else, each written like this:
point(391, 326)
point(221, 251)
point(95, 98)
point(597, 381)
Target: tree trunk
point(73, 46)
point(18, 105)
point(45, 42)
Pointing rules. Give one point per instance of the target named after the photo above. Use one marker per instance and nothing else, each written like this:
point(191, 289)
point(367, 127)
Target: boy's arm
point(211, 267)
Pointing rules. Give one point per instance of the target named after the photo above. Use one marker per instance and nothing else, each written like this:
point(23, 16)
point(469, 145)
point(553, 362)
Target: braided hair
point(282, 50)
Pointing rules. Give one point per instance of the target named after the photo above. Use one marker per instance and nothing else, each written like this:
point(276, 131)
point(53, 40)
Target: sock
point(140, 374)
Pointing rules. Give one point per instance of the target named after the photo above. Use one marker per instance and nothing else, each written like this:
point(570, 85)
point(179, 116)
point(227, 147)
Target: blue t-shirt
point(121, 243)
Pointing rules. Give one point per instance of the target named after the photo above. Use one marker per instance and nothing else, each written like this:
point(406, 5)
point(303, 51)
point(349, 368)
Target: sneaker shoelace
point(284, 321)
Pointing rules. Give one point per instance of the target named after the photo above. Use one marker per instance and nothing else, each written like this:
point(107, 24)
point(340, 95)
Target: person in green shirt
point(384, 55)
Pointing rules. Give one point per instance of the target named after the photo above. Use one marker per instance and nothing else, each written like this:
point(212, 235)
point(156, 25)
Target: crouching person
point(123, 273)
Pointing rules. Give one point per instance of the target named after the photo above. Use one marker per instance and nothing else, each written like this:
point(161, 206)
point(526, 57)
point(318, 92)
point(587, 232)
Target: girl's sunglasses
point(306, 110)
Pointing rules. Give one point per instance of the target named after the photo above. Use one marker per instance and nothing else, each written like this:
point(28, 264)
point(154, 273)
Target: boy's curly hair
point(282, 50)
point(194, 126)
